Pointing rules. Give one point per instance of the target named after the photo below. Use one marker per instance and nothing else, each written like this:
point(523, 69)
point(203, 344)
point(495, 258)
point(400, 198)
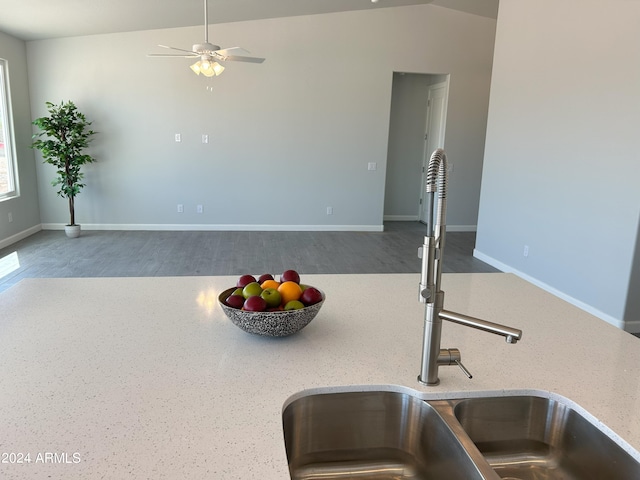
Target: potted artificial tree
point(66, 134)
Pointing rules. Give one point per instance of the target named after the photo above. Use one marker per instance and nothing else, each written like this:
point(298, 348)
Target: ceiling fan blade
point(179, 49)
point(236, 54)
point(232, 51)
point(169, 55)
point(237, 58)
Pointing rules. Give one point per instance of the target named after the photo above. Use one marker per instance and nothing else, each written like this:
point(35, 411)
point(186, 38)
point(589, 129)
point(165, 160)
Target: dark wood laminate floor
point(50, 254)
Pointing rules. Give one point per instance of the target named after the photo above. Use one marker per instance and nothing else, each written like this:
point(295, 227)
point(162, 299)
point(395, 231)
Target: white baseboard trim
point(20, 235)
point(415, 218)
point(208, 228)
point(632, 327)
point(401, 218)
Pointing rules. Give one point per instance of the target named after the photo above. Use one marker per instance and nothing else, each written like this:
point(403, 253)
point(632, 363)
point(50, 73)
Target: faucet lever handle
point(464, 369)
point(451, 356)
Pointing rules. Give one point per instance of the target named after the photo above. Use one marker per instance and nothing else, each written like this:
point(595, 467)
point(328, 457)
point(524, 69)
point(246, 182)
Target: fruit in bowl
point(271, 308)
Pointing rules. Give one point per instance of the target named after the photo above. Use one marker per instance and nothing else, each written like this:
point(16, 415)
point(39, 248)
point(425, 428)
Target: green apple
point(237, 291)
point(252, 289)
point(294, 305)
point(272, 297)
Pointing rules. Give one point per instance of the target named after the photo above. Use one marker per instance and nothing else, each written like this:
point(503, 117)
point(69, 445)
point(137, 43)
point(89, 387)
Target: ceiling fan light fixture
point(196, 67)
point(217, 68)
point(207, 68)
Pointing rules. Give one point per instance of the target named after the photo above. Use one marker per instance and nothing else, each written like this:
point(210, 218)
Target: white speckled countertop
point(131, 378)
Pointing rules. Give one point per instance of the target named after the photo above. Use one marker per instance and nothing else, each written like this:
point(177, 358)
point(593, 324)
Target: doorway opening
point(416, 128)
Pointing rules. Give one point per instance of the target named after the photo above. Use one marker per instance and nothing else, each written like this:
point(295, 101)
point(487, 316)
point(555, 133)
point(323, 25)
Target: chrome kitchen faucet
point(431, 254)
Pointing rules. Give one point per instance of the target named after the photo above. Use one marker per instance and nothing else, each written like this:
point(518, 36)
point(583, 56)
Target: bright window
point(7, 163)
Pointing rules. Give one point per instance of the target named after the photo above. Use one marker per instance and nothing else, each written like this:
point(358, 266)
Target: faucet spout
point(512, 335)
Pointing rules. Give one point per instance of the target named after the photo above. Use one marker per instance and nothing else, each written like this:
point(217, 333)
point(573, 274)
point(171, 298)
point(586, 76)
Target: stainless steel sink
point(371, 435)
point(387, 435)
point(533, 438)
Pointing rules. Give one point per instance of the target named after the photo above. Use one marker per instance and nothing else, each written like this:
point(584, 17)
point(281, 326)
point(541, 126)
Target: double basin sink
point(388, 435)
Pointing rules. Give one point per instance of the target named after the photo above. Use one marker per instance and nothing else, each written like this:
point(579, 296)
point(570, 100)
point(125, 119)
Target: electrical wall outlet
point(372, 166)
point(525, 251)
point(205, 138)
point(178, 137)
point(180, 208)
point(199, 209)
point(329, 210)
point(10, 217)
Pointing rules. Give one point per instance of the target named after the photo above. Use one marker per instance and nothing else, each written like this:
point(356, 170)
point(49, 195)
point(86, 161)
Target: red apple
point(311, 296)
point(264, 277)
point(245, 280)
point(255, 304)
point(290, 276)
point(235, 301)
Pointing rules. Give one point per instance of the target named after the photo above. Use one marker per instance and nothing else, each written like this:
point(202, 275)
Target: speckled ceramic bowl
point(270, 324)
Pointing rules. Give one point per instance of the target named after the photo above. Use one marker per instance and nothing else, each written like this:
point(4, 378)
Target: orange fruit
point(270, 284)
point(289, 291)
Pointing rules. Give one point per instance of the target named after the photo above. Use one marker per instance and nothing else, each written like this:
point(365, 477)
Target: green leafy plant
point(64, 135)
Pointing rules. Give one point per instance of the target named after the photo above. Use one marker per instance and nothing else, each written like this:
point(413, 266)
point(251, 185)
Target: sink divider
point(445, 410)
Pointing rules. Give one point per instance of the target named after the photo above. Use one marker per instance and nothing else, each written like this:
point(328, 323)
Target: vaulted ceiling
point(42, 19)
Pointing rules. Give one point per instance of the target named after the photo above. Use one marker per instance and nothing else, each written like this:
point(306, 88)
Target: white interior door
point(434, 135)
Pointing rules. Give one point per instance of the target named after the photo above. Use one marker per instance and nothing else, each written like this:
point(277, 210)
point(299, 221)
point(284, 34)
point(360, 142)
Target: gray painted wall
point(561, 163)
point(288, 137)
point(24, 208)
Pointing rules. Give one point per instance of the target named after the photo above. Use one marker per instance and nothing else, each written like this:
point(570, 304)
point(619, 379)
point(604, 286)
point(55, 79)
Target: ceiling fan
point(208, 54)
